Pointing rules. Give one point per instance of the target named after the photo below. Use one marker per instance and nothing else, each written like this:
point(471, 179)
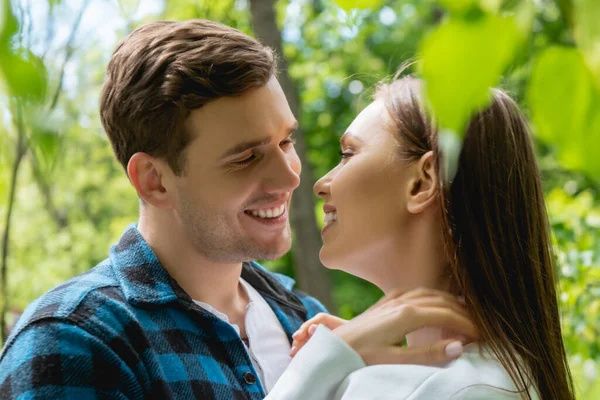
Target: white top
point(328, 369)
point(269, 348)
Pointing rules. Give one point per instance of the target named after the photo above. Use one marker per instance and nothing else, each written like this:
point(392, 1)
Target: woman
point(392, 220)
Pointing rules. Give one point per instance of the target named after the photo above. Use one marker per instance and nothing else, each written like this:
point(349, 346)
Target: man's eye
point(289, 141)
point(245, 161)
point(345, 154)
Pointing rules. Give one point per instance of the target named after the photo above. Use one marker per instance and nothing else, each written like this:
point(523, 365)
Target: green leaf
point(458, 5)
point(8, 27)
point(464, 6)
point(46, 144)
point(565, 107)
point(25, 75)
point(461, 61)
point(525, 16)
point(587, 32)
point(492, 6)
point(351, 4)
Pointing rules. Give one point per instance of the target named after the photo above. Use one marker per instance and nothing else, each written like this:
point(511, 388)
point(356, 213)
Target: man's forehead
point(259, 112)
point(240, 126)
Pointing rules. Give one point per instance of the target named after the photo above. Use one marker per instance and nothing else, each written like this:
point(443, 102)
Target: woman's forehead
point(371, 120)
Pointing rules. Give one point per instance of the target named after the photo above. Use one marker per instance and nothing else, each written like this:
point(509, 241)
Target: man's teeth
point(269, 213)
point(330, 216)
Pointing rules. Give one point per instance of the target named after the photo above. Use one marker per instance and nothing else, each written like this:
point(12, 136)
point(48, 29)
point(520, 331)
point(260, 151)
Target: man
point(195, 115)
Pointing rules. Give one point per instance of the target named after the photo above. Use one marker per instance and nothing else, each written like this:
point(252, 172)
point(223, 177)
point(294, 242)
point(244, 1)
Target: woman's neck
point(419, 262)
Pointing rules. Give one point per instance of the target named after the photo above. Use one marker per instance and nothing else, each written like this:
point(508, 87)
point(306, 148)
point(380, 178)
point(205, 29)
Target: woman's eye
point(345, 154)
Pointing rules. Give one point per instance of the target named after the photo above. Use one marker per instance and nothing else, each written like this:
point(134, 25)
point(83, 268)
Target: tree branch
point(58, 216)
point(68, 53)
point(49, 33)
point(21, 149)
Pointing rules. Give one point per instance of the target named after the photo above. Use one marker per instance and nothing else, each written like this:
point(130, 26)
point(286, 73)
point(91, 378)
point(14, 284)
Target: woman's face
point(365, 196)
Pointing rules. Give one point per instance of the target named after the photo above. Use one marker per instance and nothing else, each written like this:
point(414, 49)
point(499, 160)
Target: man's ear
point(423, 187)
point(151, 177)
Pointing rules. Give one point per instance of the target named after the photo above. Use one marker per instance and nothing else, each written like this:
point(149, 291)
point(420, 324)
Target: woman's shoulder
point(475, 374)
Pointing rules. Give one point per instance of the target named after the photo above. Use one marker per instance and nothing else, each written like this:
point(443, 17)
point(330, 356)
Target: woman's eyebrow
point(347, 135)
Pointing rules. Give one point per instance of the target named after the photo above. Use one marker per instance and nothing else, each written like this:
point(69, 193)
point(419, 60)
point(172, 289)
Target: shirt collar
point(144, 279)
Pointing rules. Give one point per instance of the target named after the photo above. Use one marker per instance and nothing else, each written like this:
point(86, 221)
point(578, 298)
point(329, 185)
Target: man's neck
point(202, 279)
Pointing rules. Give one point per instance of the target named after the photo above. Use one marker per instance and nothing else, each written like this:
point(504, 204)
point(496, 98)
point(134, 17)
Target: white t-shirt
point(269, 348)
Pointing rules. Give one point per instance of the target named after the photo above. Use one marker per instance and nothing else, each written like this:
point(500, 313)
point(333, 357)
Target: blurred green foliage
point(72, 199)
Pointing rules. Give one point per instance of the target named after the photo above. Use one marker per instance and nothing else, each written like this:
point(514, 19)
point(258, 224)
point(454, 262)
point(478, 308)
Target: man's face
point(241, 169)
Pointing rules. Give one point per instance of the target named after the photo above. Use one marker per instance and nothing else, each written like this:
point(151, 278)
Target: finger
point(299, 333)
point(438, 302)
point(388, 297)
point(312, 329)
point(437, 353)
point(426, 292)
point(465, 340)
point(411, 318)
point(434, 302)
point(294, 349)
point(296, 346)
point(320, 318)
point(302, 332)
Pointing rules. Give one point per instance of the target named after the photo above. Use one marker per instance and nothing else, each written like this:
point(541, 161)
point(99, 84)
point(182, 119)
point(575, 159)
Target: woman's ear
point(150, 177)
point(423, 187)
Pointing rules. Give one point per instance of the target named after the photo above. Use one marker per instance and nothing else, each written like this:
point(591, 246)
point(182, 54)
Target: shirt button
point(249, 378)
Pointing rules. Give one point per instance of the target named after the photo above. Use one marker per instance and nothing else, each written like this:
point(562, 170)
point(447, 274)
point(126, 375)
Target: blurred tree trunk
point(20, 150)
point(312, 276)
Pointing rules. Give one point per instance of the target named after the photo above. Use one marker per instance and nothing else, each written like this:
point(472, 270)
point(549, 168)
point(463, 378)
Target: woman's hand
point(377, 334)
point(306, 330)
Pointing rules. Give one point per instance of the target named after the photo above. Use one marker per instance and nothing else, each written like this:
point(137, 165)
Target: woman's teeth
point(269, 212)
point(329, 217)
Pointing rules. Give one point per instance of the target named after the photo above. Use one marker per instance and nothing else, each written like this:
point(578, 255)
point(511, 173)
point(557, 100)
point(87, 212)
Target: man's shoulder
point(70, 337)
point(312, 305)
point(76, 301)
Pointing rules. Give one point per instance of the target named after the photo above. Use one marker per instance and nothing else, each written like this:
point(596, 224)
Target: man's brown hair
point(162, 71)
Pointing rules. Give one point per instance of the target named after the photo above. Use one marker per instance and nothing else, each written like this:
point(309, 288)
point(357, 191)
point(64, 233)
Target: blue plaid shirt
point(126, 330)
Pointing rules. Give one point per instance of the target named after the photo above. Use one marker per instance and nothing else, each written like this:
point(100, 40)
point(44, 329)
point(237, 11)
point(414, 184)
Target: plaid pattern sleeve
point(57, 360)
point(125, 329)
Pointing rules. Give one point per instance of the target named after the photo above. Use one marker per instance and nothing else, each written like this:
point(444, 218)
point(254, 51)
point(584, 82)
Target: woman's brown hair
point(496, 232)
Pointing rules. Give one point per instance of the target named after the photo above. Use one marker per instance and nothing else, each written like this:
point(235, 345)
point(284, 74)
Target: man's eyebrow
point(241, 147)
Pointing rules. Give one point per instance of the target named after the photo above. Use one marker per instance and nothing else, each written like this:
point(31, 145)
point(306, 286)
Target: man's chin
point(274, 251)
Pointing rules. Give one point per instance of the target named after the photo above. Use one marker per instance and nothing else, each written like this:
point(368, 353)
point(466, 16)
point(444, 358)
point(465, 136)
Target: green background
point(66, 199)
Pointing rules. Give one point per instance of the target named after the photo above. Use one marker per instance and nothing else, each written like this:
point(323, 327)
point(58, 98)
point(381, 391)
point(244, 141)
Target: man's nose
point(283, 172)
